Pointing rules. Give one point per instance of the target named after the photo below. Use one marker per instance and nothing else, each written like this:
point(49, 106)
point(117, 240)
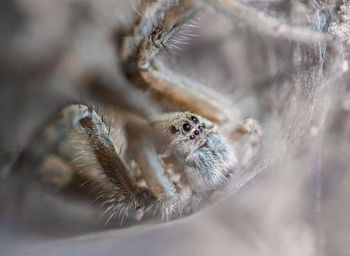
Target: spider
point(197, 160)
point(174, 160)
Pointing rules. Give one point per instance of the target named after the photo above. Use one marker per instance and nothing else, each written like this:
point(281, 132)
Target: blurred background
point(293, 200)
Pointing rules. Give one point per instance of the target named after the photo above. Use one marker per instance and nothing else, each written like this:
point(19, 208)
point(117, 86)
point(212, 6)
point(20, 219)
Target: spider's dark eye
point(186, 127)
point(156, 37)
point(173, 129)
point(194, 119)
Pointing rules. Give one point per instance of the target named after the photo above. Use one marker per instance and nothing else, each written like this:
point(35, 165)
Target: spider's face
point(206, 154)
point(187, 131)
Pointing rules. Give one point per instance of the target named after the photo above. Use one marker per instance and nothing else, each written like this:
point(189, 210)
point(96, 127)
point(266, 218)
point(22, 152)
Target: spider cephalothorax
point(207, 156)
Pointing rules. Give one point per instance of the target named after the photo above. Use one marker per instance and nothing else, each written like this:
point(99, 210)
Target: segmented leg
point(246, 127)
point(143, 139)
point(113, 166)
point(156, 21)
point(153, 28)
point(122, 193)
point(189, 93)
point(251, 130)
point(144, 152)
point(110, 88)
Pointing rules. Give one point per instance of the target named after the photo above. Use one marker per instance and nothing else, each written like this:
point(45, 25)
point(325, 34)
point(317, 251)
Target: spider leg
point(113, 166)
point(151, 168)
point(123, 194)
point(246, 127)
point(108, 87)
point(189, 93)
point(139, 64)
point(155, 23)
point(171, 198)
point(248, 134)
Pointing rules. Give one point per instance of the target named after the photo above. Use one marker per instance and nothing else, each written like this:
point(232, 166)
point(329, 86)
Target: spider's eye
point(156, 38)
point(173, 129)
point(194, 119)
point(186, 127)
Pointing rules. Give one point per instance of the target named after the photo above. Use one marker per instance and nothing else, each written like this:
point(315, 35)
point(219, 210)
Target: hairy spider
point(173, 161)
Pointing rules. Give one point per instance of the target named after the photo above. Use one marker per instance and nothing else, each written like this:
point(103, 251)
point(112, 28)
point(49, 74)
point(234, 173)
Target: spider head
point(208, 156)
point(186, 130)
